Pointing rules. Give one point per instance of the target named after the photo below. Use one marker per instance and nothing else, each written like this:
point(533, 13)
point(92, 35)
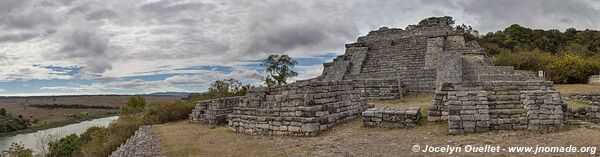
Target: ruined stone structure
point(589, 98)
point(471, 93)
point(498, 105)
point(391, 117)
point(594, 79)
point(409, 59)
point(589, 114)
point(302, 108)
point(143, 143)
point(214, 111)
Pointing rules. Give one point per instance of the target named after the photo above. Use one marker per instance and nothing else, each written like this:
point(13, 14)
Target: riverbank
point(38, 141)
point(67, 121)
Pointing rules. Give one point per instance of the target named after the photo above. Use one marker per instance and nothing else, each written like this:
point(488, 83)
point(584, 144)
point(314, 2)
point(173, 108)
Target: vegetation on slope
point(10, 123)
point(567, 57)
point(97, 141)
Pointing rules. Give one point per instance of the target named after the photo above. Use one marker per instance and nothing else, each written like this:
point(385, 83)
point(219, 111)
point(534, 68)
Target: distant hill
point(178, 94)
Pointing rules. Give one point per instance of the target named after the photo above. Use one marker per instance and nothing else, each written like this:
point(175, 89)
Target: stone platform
point(391, 117)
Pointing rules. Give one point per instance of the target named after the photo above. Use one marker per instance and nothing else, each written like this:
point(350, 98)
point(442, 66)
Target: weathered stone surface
point(213, 111)
point(549, 112)
point(473, 110)
point(594, 79)
point(143, 143)
point(391, 117)
point(589, 98)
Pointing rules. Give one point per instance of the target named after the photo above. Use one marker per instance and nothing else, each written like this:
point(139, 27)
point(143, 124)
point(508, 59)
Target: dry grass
point(188, 139)
point(351, 139)
point(577, 104)
point(570, 89)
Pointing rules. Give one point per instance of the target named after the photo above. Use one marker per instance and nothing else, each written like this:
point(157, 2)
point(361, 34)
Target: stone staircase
point(143, 143)
point(400, 56)
point(506, 110)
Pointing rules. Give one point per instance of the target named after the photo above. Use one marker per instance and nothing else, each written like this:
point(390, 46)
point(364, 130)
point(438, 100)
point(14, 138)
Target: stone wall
point(303, 108)
point(590, 98)
point(475, 111)
point(450, 67)
point(498, 105)
point(380, 89)
point(590, 114)
point(545, 110)
point(214, 111)
point(501, 95)
point(391, 117)
point(142, 144)
point(594, 79)
point(468, 112)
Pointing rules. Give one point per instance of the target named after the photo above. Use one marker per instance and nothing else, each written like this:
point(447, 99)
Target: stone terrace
point(303, 108)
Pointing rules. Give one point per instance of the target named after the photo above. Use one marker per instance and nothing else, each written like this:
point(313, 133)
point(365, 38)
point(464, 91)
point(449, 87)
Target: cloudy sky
point(54, 47)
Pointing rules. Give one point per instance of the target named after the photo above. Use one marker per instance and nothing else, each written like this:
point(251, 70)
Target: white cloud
point(306, 72)
point(111, 39)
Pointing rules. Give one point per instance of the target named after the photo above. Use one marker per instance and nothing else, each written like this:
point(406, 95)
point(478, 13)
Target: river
point(31, 140)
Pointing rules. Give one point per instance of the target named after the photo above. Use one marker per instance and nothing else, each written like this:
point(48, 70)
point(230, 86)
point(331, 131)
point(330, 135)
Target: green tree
point(518, 37)
point(468, 31)
point(576, 49)
point(221, 89)
point(432, 20)
point(67, 146)
point(135, 105)
point(228, 87)
point(279, 69)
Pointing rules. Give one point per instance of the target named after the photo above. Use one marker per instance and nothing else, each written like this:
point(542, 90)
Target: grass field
point(351, 139)
point(570, 89)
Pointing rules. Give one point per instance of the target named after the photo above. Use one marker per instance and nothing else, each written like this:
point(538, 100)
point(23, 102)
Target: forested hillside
point(568, 56)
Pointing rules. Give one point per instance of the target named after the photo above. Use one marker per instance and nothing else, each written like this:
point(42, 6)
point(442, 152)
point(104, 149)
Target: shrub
point(134, 105)
point(91, 133)
point(221, 89)
point(67, 146)
point(96, 141)
point(525, 60)
point(572, 68)
point(10, 123)
point(165, 112)
point(566, 67)
point(17, 150)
